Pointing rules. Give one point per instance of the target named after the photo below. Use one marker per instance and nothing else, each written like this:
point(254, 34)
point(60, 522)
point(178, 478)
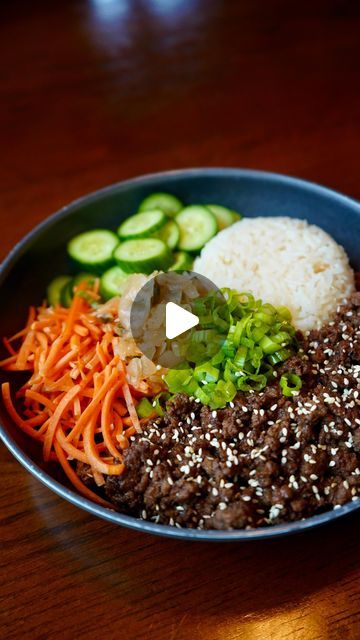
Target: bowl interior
point(42, 254)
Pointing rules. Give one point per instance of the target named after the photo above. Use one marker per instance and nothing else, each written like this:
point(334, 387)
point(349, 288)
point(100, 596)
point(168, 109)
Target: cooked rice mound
point(284, 261)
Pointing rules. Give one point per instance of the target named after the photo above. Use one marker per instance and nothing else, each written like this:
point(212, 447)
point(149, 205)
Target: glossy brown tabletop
point(94, 92)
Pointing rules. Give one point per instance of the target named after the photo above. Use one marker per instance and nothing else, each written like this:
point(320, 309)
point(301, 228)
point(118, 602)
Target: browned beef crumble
point(263, 460)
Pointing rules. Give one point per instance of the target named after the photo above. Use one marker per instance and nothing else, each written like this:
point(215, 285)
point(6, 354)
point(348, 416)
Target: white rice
point(283, 261)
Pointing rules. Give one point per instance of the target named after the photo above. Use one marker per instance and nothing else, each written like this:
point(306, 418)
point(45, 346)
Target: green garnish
point(145, 409)
point(290, 384)
point(234, 348)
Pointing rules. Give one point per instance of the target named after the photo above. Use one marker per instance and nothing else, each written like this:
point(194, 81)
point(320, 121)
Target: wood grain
point(94, 92)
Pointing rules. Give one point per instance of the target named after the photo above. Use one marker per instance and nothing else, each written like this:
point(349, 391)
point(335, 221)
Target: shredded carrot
point(106, 420)
point(56, 417)
point(25, 350)
point(131, 407)
point(93, 405)
point(75, 480)
point(9, 347)
point(8, 361)
point(131, 431)
point(41, 398)
point(119, 408)
point(23, 424)
point(118, 423)
point(77, 402)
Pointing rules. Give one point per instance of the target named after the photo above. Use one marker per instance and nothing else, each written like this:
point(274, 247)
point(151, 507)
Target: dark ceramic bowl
point(41, 255)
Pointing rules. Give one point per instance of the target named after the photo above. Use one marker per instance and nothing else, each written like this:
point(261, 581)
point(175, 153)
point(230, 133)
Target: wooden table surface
point(94, 92)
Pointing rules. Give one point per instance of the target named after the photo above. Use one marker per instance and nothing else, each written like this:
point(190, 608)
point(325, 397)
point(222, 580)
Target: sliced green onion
point(145, 408)
point(290, 384)
point(234, 348)
point(159, 403)
point(284, 313)
point(269, 345)
point(280, 356)
point(240, 357)
point(206, 372)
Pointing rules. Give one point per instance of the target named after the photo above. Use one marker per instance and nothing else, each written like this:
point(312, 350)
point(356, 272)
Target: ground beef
point(266, 458)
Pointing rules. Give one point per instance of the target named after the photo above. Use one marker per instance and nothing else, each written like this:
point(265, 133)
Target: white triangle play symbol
point(178, 320)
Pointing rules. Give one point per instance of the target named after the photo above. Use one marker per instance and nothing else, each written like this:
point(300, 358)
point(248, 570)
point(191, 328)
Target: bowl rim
point(116, 517)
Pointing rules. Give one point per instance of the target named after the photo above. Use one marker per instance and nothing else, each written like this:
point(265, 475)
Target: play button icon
point(178, 320)
point(169, 319)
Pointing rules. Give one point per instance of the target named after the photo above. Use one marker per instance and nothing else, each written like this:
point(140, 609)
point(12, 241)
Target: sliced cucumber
point(54, 289)
point(112, 282)
point(144, 255)
point(197, 225)
point(67, 290)
point(93, 249)
point(169, 204)
point(89, 278)
point(67, 294)
point(224, 216)
point(170, 234)
point(142, 224)
point(183, 262)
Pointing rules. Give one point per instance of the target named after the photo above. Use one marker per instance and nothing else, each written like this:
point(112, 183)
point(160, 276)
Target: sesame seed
point(315, 489)
point(185, 468)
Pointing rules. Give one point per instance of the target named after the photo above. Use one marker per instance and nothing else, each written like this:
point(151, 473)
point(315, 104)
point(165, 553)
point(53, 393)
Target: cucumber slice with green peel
point(143, 255)
point(89, 278)
point(93, 249)
point(68, 289)
point(170, 234)
point(169, 204)
point(142, 224)
point(67, 294)
point(224, 216)
point(197, 226)
point(112, 282)
point(183, 262)
point(54, 289)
